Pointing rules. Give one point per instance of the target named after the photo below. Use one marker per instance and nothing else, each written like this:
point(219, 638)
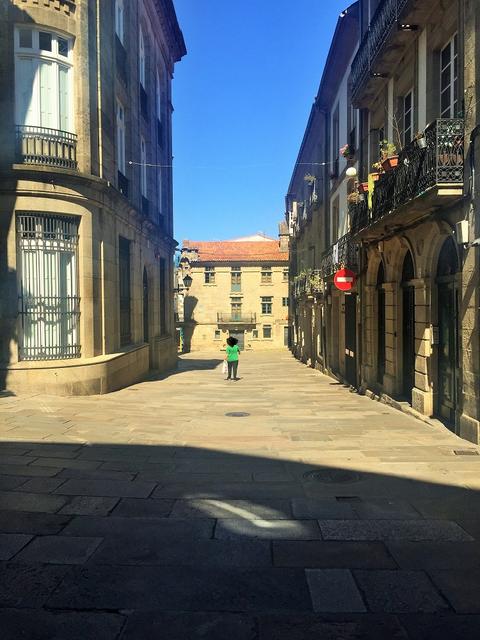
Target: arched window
point(408, 271)
point(448, 259)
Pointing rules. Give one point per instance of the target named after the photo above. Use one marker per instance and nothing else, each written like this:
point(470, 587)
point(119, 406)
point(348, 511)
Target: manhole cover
point(465, 452)
point(237, 414)
point(332, 476)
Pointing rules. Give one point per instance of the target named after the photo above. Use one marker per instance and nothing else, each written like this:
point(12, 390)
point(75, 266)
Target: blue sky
point(242, 97)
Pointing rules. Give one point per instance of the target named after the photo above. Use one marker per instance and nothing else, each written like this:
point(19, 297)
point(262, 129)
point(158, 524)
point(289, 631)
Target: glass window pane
point(45, 41)
point(25, 38)
point(64, 99)
point(62, 47)
point(47, 96)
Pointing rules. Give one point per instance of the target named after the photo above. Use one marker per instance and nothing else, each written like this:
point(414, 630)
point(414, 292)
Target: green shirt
point(232, 353)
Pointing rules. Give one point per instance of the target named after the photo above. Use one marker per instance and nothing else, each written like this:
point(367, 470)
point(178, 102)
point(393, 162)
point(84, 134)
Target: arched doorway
point(380, 324)
point(145, 305)
point(408, 327)
point(447, 314)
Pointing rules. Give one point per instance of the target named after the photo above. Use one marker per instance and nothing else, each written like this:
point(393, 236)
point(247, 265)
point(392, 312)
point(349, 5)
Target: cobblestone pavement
point(152, 513)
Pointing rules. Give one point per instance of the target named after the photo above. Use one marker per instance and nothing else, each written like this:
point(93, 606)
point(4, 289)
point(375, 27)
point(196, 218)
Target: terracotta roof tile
point(235, 251)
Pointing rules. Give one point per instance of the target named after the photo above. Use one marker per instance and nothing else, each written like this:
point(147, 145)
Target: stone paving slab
point(308, 508)
point(48, 625)
point(41, 485)
point(435, 555)
point(332, 554)
point(187, 530)
point(461, 587)
point(415, 530)
point(144, 508)
point(107, 488)
point(272, 509)
point(89, 506)
point(441, 627)
point(32, 523)
point(58, 550)
point(28, 586)
point(11, 543)
point(244, 490)
point(182, 589)
point(191, 626)
point(334, 591)
point(7, 483)
point(399, 592)
point(151, 548)
point(32, 502)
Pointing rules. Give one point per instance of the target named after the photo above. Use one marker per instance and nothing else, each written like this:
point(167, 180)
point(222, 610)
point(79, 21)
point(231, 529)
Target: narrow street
point(279, 507)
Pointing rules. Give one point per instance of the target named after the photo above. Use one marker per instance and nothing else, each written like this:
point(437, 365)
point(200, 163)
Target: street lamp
point(187, 281)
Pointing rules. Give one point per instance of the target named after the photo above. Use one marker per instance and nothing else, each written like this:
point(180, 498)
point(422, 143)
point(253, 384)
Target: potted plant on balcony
point(354, 198)
point(388, 155)
point(309, 179)
point(347, 152)
point(420, 140)
point(362, 187)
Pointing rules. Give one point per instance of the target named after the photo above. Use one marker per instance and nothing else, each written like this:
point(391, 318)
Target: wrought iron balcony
point(342, 254)
point(308, 284)
point(429, 177)
point(383, 26)
point(43, 146)
point(236, 318)
point(358, 214)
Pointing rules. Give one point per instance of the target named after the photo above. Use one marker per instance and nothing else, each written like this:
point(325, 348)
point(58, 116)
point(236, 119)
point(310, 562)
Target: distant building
point(86, 223)
point(238, 288)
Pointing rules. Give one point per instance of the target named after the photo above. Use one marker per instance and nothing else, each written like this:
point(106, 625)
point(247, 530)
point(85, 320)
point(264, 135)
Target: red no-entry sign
point(344, 279)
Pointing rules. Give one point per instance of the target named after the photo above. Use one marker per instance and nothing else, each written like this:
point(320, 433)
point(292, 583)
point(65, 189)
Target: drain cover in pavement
point(332, 476)
point(237, 414)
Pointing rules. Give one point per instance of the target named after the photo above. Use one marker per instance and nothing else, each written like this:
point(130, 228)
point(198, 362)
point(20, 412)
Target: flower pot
point(421, 142)
point(363, 187)
point(375, 176)
point(389, 163)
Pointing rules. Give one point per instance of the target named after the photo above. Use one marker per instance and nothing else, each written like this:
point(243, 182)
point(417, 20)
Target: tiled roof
point(238, 251)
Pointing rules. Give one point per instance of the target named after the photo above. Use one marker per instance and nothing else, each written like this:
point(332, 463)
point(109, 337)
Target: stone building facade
point(86, 223)
point(413, 83)
point(238, 288)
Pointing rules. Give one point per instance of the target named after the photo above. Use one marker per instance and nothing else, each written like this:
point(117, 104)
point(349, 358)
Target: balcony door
point(351, 339)
point(380, 324)
point(448, 348)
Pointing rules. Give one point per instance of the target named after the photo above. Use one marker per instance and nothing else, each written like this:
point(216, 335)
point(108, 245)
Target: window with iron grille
point(209, 275)
point(266, 275)
point(266, 305)
point(49, 304)
point(125, 291)
point(236, 275)
point(267, 331)
point(284, 302)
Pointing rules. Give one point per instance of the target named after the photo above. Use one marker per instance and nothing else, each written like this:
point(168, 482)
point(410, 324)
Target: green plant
point(387, 149)
point(309, 178)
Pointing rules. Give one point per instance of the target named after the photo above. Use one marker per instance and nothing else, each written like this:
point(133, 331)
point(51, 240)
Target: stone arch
point(434, 240)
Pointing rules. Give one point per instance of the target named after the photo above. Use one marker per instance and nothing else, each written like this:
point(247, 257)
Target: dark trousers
point(232, 368)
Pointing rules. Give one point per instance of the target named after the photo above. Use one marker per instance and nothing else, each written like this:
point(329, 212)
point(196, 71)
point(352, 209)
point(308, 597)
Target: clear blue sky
point(242, 96)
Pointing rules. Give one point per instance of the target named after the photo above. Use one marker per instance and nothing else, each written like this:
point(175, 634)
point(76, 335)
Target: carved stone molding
point(65, 6)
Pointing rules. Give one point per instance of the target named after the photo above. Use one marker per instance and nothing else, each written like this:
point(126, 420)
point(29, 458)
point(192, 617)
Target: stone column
point(422, 393)
point(368, 337)
point(391, 382)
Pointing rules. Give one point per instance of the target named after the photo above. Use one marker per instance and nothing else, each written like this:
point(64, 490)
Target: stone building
point(238, 288)
point(413, 83)
point(86, 246)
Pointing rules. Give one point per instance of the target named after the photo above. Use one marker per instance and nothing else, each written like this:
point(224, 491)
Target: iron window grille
point(49, 306)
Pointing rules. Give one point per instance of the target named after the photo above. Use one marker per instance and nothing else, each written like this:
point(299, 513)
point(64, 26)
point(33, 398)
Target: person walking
point(231, 357)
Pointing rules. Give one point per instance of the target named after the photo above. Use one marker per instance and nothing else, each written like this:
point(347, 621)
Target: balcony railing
point(439, 164)
point(43, 146)
point(308, 284)
point(236, 318)
point(121, 59)
point(341, 254)
point(385, 17)
point(358, 213)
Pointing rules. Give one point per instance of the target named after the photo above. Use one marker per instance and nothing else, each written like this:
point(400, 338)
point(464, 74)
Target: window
point(266, 275)
point(408, 123)
point(236, 308)
point(284, 302)
point(158, 97)
point(267, 331)
point(254, 333)
point(119, 20)
point(285, 274)
point(449, 79)
point(143, 167)
point(266, 305)
point(163, 296)
point(124, 293)
point(43, 80)
point(335, 141)
point(49, 302)
point(141, 59)
point(120, 138)
point(209, 275)
point(335, 222)
point(236, 277)
point(159, 193)
point(218, 334)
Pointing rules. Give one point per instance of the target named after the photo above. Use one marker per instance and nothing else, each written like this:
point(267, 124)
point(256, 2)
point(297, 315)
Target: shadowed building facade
point(239, 288)
point(86, 224)
point(411, 322)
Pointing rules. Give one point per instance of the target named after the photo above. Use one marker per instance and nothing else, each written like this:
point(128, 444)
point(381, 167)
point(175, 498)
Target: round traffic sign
point(344, 279)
